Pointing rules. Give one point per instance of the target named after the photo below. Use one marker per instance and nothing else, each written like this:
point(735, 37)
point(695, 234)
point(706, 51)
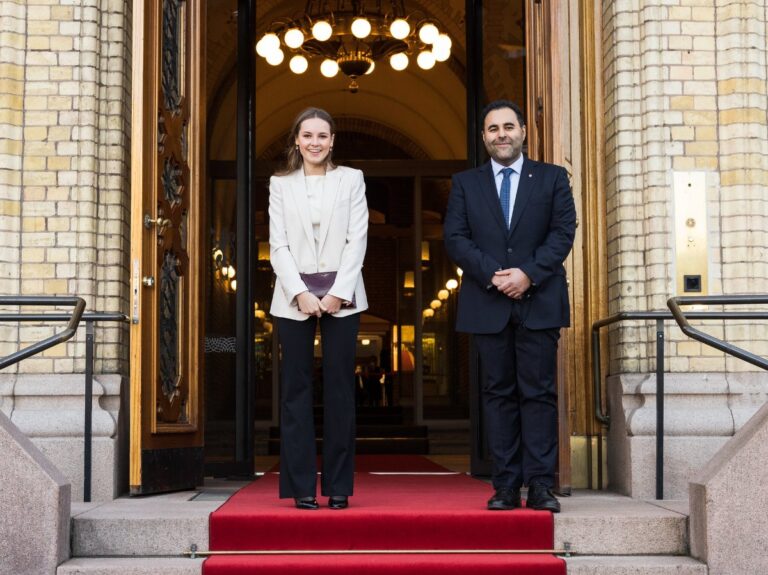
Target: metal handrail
point(663, 315)
point(681, 318)
point(660, 317)
point(74, 320)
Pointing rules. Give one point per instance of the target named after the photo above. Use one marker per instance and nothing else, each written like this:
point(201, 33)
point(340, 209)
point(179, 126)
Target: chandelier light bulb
point(435, 304)
point(370, 70)
point(459, 272)
point(322, 30)
point(261, 48)
point(400, 29)
point(428, 33)
point(361, 28)
point(268, 44)
point(233, 285)
point(275, 58)
point(440, 54)
point(298, 64)
point(443, 294)
point(442, 48)
point(329, 68)
point(452, 284)
point(399, 61)
point(426, 60)
point(428, 312)
point(293, 38)
point(444, 41)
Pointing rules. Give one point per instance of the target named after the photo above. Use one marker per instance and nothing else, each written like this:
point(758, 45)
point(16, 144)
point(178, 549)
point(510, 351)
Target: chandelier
point(351, 36)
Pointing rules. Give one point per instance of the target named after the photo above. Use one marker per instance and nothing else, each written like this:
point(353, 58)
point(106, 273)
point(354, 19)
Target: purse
point(319, 283)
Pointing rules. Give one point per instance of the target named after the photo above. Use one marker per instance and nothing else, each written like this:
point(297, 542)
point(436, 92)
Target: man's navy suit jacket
point(539, 239)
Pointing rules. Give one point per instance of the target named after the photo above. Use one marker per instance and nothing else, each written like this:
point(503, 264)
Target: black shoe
point(504, 499)
point(306, 503)
point(338, 502)
point(540, 497)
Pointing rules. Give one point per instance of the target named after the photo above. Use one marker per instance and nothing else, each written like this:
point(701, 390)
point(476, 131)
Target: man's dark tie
point(504, 194)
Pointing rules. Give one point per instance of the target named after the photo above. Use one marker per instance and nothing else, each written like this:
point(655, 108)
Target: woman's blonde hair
point(293, 159)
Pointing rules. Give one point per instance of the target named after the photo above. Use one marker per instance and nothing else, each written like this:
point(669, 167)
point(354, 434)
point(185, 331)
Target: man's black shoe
point(540, 497)
point(504, 499)
point(338, 502)
point(306, 503)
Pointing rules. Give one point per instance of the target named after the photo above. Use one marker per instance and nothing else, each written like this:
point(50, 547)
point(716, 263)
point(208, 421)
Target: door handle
point(161, 223)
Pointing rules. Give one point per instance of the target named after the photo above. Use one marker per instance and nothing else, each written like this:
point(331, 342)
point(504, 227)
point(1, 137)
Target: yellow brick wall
point(686, 85)
point(685, 89)
point(12, 61)
point(65, 125)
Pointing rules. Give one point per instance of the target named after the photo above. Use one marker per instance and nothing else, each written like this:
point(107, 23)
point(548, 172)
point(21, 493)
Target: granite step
point(634, 565)
point(582, 565)
point(131, 566)
point(591, 523)
point(603, 523)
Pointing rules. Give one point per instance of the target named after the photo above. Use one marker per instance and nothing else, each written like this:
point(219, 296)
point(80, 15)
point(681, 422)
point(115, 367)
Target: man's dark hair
point(497, 105)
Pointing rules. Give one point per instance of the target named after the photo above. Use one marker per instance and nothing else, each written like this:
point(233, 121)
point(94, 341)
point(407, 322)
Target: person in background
point(318, 230)
point(360, 394)
point(372, 384)
point(509, 225)
point(386, 366)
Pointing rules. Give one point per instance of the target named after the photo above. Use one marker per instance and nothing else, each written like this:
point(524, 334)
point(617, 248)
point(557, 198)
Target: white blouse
point(315, 186)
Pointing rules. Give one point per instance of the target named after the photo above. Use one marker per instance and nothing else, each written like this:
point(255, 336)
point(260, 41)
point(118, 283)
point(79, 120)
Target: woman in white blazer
point(318, 223)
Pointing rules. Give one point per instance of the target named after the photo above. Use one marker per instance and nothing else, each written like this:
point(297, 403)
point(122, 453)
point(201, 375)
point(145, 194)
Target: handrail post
point(88, 428)
point(597, 378)
point(659, 409)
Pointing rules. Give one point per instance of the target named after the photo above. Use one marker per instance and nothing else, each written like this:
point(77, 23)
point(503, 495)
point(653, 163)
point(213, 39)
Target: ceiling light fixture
point(351, 35)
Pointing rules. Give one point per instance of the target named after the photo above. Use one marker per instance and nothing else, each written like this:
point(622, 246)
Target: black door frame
point(244, 320)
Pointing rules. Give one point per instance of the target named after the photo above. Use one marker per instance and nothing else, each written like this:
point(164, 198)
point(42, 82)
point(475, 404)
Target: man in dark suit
point(509, 226)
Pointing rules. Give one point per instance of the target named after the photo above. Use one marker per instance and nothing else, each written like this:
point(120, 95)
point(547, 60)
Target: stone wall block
point(53, 406)
point(35, 499)
point(702, 412)
point(728, 499)
point(49, 410)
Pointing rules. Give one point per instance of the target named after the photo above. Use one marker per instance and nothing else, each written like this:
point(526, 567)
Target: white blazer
point(342, 242)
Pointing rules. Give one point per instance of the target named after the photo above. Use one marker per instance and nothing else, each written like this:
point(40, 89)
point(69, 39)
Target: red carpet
point(388, 511)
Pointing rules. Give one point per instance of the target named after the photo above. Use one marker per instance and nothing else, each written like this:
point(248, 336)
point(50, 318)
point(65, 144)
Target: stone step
point(143, 526)
point(131, 566)
point(592, 523)
point(601, 523)
point(372, 445)
point(634, 565)
point(583, 565)
point(364, 431)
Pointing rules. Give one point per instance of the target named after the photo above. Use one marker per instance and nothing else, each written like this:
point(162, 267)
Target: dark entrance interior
point(408, 132)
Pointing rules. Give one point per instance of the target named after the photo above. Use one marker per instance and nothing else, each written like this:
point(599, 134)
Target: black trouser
point(298, 459)
point(519, 397)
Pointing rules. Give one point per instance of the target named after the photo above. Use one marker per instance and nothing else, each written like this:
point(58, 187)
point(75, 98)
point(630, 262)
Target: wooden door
point(565, 128)
point(167, 245)
point(549, 111)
